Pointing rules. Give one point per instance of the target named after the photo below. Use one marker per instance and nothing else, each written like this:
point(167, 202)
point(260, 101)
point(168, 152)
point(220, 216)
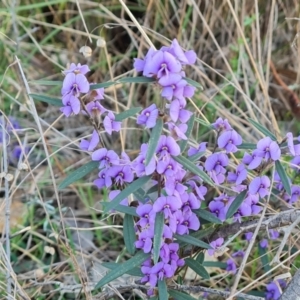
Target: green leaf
point(180, 295)
point(133, 272)
point(236, 204)
point(190, 123)
point(196, 156)
point(138, 79)
point(204, 123)
point(262, 129)
point(153, 141)
point(153, 189)
point(123, 268)
point(192, 241)
point(45, 82)
point(158, 232)
point(139, 194)
point(127, 114)
point(123, 209)
point(284, 178)
point(79, 173)
point(214, 264)
point(131, 188)
point(162, 290)
point(129, 234)
point(186, 163)
point(208, 216)
point(198, 268)
point(264, 258)
point(200, 258)
point(49, 100)
point(193, 83)
point(102, 85)
point(249, 146)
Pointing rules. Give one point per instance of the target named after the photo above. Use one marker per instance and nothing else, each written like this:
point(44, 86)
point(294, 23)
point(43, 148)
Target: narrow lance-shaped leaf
point(193, 83)
point(158, 231)
point(79, 173)
point(129, 234)
point(133, 272)
point(162, 290)
point(133, 262)
point(284, 178)
point(190, 123)
point(49, 100)
point(180, 295)
point(204, 123)
point(262, 129)
point(153, 142)
point(236, 204)
point(138, 79)
point(127, 114)
point(45, 82)
point(102, 85)
point(131, 188)
point(197, 267)
point(122, 209)
point(192, 241)
point(206, 215)
point(214, 264)
point(193, 168)
point(200, 258)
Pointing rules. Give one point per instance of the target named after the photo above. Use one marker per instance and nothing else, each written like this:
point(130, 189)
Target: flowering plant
point(178, 190)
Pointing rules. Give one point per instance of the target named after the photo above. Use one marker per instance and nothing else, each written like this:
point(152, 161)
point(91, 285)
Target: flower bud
point(101, 42)
point(86, 51)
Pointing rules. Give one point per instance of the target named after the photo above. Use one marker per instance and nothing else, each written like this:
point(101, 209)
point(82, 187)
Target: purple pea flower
point(294, 149)
point(228, 140)
point(71, 105)
point(216, 162)
point(103, 180)
point(239, 253)
point(221, 124)
point(177, 111)
point(274, 234)
point(268, 149)
point(77, 69)
point(167, 146)
point(113, 194)
point(252, 200)
point(168, 167)
point(263, 243)
point(120, 174)
point(260, 185)
point(95, 109)
point(215, 245)
point(148, 116)
point(139, 163)
point(218, 209)
point(272, 291)
point(172, 87)
point(243, 211)
point(231, 266)
point(162, 270)
point(147, 216)
point(189, 221)
point(252, 160)
point(178, 132)
point(92, 144)
point(75, 84)
point(139, 64)
point(295, 189)
point(110, 124)
point(145, 240)
point(105, 157)
point(168, 205)
point(97, 94)
point(200, 191)
point(295, 163)
point(239, 176)
point(248, 236)
point(201, 148)
point(189, 202)
point(173, 185)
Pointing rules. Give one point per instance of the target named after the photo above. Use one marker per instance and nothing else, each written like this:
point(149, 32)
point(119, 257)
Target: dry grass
point(61, 237)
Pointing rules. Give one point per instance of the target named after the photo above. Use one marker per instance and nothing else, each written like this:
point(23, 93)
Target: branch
point(293, 289)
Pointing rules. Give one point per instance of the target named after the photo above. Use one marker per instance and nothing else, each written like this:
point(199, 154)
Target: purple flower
point(173, 185)
point(105, 157)
point(229, 140)
point(243, 211)
point(295, 163)
point(120, 174)
point(294, 149)
point(239, 176)
point(172, 87)
point(239, 253)
point(253, 160)
point(295, 189)
point(162, 270)
point(110, 124)
point(199, 191)
point(139, 163)
point(148, 116)
point(97, 94)
point(161, 64)
point(263, 243)
point(252, 200)
point(146, 214)
point(145, 240)
point(168, 167)
point(177, 111)
point(260, 185)
point(77, 69)
point(103, 180)
point(216, 162)
point(95, 109)
point(218, 209)
point(178, 132)
point(75, 84)
point(215, 245)
point(189, 221)
point(231, 266)
point(92, 144)
point(201, 148)
point(168, 205)
point(113, 194)
point(189, 202)
point(221, 124)
point(268, 149)
point(274, 234)
point(248, 236)
point(71, 105)
point(272, 291)
point(139, 64)
point(167, 146)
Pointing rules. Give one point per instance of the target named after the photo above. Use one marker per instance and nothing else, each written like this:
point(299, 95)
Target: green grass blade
point(153, 141)
point(262, 129)
point(129, 234)
point(158, 232)
point(192, 241)
point(131, 188)
point(236, 204)
point(162, 290)
point(79, 173)
point(130, 264)
point(186, 163)
point(190, 123)
point(49, 100)
point(197, 267)
point(128, 113)
point(284, 178)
